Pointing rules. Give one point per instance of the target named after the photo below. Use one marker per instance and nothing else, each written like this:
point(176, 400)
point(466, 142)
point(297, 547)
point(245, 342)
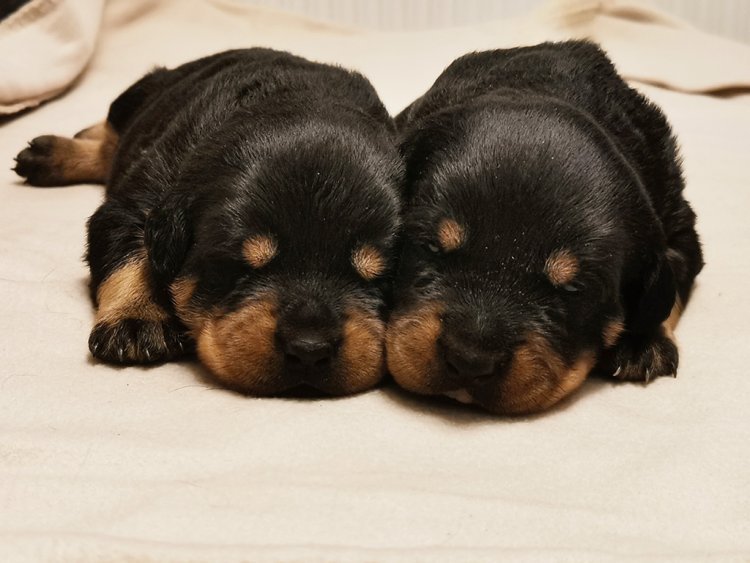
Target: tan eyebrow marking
point(451, 235)
point(561, 267)
point(368, 261)
point(259, 250)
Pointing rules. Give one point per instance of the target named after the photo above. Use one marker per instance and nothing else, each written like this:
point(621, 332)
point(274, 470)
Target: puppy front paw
point(138, 341)
point(639, 358)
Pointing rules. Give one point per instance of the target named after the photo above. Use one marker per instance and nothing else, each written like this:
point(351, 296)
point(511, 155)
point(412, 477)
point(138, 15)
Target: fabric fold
point(46, 45)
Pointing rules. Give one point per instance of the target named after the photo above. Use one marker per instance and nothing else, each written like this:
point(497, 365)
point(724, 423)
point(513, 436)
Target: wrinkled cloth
point(100, 463)
point(44, 46)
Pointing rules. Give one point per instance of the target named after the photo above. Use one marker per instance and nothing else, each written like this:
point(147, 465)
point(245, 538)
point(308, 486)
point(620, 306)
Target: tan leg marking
point(88, 157)
point(612, 331)
point(57, 161)
point(674, 317)
point(182, 291)
point(130, 326)
point(126, 294)
point(97, 132)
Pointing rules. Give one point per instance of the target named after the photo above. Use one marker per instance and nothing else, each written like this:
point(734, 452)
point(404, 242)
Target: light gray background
point(730, 18)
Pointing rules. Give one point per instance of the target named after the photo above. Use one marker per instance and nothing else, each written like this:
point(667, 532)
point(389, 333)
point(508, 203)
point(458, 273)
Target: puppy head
point(284, 277)
point(519, 242)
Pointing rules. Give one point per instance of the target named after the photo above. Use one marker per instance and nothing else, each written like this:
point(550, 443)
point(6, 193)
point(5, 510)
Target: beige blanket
point(105, 464)
point(45, 45)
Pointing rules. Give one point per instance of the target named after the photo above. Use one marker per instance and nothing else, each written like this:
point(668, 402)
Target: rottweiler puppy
point(546, 231)
point(252, 202)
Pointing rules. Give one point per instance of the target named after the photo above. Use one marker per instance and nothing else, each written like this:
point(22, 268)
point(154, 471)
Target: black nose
point(469, 364)
point(308, 350)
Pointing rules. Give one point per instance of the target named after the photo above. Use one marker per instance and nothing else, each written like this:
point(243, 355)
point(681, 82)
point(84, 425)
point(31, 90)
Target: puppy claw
point(643, 359)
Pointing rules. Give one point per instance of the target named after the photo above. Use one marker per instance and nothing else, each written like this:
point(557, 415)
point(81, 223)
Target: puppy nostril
point(292, 359)
point(322, 362)
point(308, 351)
point(483, 376)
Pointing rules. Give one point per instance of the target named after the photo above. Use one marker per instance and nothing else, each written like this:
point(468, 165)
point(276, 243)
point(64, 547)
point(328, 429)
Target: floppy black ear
point(168, 237)
point(652, 296)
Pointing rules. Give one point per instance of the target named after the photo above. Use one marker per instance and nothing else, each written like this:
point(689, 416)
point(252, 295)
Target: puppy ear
point(168, 236)
point(651, 298)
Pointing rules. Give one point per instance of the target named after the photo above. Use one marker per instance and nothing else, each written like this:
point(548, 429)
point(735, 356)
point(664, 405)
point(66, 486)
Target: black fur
point(535, 149)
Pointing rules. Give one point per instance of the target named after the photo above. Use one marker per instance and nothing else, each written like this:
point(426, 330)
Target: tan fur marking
point(411, 347)
point(88, 157)
point(561, 267)
point(98, 132)
point(126, 294)
point(259, 250)
point(612, 331)
point(571, 379)
point(182, 290)
point(362, 353)
point(674, 317)
point(538, 378)
point(451, 235)
point(239, 348)
point(368, 261)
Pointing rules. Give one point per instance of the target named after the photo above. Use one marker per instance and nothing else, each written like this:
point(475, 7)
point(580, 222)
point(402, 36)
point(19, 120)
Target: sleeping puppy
point(546, 231)
point(251, 208)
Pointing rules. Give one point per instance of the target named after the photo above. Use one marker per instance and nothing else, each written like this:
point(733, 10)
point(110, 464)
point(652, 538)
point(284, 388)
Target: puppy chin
point(536, 379)
point(534, 384)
